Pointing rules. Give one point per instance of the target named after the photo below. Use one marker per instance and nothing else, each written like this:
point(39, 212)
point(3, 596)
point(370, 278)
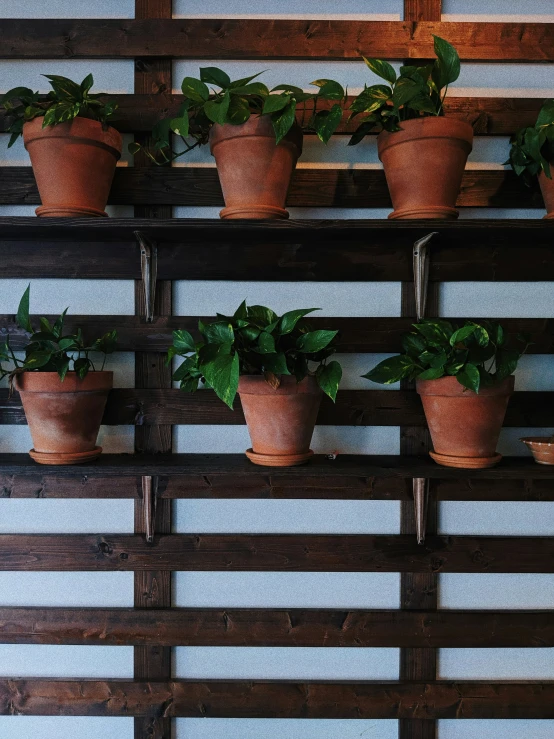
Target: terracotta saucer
point(71, 211)
point(60, 458)
point(278, 460)
point(254, 212)
point(541, 447)
point(466, 463)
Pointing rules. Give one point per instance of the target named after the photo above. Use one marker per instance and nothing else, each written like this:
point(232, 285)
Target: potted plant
point(253, 134)
point(423, 152)
point(72, 148)
point(532, 154)
point(62, 392)
point(279, 367)
point(464, 376)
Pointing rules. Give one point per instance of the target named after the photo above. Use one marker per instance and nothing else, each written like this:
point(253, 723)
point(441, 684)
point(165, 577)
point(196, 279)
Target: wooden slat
point(322, 188)
point(276, 553)
point(255, 627)
point(132, 406)
point(275, 39)
point(358, 335)
point(422, 10)
point(256, 699)
point(488, 116)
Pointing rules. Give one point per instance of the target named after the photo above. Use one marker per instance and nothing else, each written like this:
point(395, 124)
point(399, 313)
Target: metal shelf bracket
point(149, 491)
point(149, 270)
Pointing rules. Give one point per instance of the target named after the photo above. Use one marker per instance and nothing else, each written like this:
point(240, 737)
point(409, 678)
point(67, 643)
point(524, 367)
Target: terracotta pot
point(254, 172)
point(64, 417)
point(464, 426)
point(74, 165)
point(424, 164)
point(547, 189)
point(280, 422)
point(542, 448)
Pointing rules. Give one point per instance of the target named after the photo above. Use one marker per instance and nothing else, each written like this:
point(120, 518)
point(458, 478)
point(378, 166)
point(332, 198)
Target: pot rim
point(257, 385)
point(424, 128)
point(49, 382)
point(450, 387)
point(86, 130)
point(218, 132)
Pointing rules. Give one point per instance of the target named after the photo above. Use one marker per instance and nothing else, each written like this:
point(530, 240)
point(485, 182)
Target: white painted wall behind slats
point(281, 589)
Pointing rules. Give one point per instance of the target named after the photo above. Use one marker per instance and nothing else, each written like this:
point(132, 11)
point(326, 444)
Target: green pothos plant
point(64, 102)
point(532, 148)
point(255, 341)
point(215, 98)
point(418, 91)
point(49, 349)
point(475, 354)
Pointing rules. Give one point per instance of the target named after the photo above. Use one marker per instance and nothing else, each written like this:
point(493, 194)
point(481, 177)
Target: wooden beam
point(275, 553)
point(296, 627)
point(256, 699)
point(278, 39)
point(322, 188)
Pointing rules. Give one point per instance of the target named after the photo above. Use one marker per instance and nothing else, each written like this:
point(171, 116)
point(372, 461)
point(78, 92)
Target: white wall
point(354, 590)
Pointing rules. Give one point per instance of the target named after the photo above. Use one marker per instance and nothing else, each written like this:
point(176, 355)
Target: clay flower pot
point(73, 164)
point(280, 422)
point(424, 164)
point(547, 189)
point(64, 417)
point(464, 426)
point(542, 448)
point(253, 170)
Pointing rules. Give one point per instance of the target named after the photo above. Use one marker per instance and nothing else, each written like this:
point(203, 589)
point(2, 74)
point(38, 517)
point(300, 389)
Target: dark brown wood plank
point(422, 10)
point(276, 39)
point(488, 116)
point(324, 188)
point(358, 335)
point(137, 407)
point(172, 627)
point(256, 699)
point(274, 553)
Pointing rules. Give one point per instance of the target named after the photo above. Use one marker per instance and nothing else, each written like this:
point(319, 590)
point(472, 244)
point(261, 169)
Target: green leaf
point(362, 131)
point(45, 326)
point(459, 336)
point(64, 88)
point(328, 378)
point(546, 114)
point(106, 344)
point(392, 370)
point(448, 62)
point(222, 374)
point(244, 81)
point(37, 359)
point(506, 363)
point(329, 89)
point(254, 88)
point(183, 341)
point(413, 344)
point(315, 341)
point(68, 343)
point(433, 373)
point(217, 109)
point(62, 366)
point(219, 333)
point(283, 121)
point(289, 320)
point(261, 315)
point(81, 366)
point(86, 84)
point(326, 122)
point(381, 69)
point(239, 111)
point(184, 369)
point(469, 377)
point(180, 126)
point(195, 90)
point(22, 317)
point(214, 76)
point(241, 311)
point(274, 103)
point(276, 363)
point(266, 343)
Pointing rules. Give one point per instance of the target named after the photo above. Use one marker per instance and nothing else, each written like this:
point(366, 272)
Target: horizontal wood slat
point(274, 39)
point(275, 553)
point(140, 407)
point(257, 699)
point(233, 476)
point(323, 188)
point(355, 250)
point(355, 334)
point(488, 116)
point(276, 628)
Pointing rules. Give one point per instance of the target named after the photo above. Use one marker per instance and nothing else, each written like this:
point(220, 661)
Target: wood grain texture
point(356, 335)
point(322, 188)
point(275, 39)
point(275, 553)
point(254, 627)
point(422, 10)
point(488, 116)
point(256, 699)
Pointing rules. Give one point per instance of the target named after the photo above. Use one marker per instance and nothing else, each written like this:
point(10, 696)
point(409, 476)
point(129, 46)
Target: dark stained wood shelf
point(266, 627)
point(270, 699)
